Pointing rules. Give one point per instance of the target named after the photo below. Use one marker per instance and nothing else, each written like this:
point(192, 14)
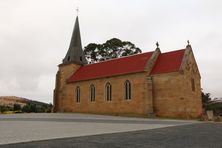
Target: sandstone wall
point(173, 94)
point(64, 72)
point(139, 104)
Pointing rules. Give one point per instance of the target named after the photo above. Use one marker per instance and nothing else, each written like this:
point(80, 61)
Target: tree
point(17, 107)
point(205, 98)
point(49, 108)
point(26, 108)
point(2, 108)
point(33, 108)
point(112, 48)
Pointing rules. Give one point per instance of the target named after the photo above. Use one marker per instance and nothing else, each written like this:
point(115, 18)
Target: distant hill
point(11, 100)
point(26, 105)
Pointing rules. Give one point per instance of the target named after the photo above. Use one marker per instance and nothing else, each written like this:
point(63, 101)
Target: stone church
point(146, 84)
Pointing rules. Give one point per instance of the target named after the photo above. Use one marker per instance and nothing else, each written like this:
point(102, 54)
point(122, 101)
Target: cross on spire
point(77, 11)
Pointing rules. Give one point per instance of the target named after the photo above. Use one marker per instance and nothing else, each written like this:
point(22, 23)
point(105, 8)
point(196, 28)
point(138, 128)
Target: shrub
point(17, 107)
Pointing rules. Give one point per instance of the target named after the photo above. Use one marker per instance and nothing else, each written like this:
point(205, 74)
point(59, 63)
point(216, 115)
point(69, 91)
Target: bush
point(17, 107)
point(37, 108)
point(25, 109)
point(49, 108)
point(5, 108)
point(2, 109)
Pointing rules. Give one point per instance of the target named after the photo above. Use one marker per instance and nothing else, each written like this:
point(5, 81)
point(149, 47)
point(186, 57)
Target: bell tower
point(74, 59)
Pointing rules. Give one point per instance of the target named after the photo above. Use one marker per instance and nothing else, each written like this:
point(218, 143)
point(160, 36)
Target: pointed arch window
point(77, 94)
point(127, 89)
point(192, 84)
point(108, 92)
point(92, 93)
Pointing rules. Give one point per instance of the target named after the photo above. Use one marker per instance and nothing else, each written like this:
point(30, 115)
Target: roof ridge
point(119, 58)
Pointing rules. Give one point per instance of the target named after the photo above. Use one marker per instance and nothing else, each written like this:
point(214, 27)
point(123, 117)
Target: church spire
point(75, 52)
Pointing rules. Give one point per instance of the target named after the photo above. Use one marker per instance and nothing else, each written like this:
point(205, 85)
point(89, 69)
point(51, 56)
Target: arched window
point(192, 84)
point(127, 89)
point(108, 92)
point(77, 94)
point(92, 93)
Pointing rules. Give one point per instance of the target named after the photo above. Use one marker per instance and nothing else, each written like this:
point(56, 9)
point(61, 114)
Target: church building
point(147, 84)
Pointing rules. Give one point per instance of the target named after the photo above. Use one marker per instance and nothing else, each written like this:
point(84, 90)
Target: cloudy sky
point(35, 35)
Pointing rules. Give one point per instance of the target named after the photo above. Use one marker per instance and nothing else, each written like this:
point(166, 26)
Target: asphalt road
point(85, 130)
point(196, 135)
point(17, 128)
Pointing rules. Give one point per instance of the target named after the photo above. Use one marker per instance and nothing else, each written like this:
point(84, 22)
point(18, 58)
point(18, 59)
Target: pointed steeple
point(75, 52)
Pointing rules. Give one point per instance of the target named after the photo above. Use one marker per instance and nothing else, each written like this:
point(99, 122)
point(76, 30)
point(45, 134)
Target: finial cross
point(77, 11)
point(157, 44)
point(188, 42)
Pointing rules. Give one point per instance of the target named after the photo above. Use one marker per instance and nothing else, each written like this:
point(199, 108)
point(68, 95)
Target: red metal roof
point(168, 62)
point(124, 65)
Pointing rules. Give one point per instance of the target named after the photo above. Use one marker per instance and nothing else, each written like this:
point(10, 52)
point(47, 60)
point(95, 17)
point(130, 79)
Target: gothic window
point(80, 58)
point(127, 89)
point(92, 93)
point(108, 92)
point(77, 94)
point(68, 58)
point(193, 84)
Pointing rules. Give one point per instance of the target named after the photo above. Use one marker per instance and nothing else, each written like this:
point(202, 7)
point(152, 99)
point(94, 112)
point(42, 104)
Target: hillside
point(9, 103)
point(11, 100)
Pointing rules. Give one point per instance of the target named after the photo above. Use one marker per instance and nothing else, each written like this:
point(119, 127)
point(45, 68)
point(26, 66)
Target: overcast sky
point(35, 35)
